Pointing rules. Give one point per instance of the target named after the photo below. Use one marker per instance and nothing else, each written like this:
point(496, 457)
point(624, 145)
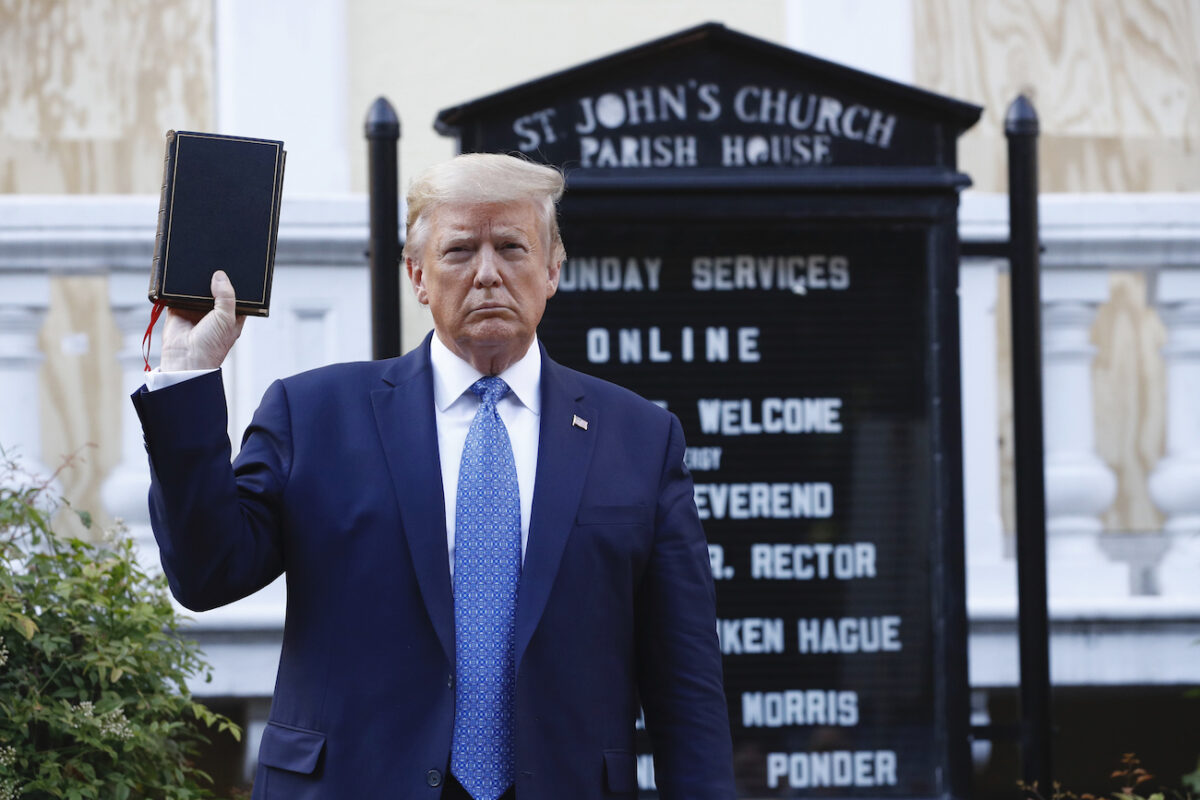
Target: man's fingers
point(222, 292)
point(190, 317)
point(198, 340)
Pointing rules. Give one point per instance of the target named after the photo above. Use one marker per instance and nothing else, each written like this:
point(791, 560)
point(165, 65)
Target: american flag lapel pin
point(579, 422)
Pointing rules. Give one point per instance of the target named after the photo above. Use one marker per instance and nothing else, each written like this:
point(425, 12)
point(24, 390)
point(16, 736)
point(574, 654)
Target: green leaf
point(26, 626)
point(85, 517)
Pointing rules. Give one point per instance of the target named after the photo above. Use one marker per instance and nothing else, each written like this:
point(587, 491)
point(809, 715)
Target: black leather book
point(219, 210)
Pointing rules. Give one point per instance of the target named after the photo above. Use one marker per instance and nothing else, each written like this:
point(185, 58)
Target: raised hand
point(199, 340)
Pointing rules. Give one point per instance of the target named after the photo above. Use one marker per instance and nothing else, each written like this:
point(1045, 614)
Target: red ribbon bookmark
point(154, 315)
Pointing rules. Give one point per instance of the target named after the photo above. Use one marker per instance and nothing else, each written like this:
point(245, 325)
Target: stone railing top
point(1085, 610)
point(83, 233)
point(1098, 231)
point(103, 233)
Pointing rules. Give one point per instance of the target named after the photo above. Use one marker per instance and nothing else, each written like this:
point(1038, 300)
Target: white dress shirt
point(454, 406)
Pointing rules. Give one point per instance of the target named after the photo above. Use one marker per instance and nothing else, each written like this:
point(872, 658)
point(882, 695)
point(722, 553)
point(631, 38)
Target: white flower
point(112, 723)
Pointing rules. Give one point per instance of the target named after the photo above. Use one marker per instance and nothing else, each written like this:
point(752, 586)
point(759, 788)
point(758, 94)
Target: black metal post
point(1021, 128)
point(382, 130)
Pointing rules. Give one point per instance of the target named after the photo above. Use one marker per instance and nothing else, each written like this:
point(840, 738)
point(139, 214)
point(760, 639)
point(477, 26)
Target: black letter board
point(767, 244)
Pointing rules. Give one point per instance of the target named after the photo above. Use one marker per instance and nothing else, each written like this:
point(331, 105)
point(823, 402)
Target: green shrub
point(93, 700)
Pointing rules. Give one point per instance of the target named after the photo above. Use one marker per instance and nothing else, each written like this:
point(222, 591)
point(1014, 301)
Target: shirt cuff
point(161, 380)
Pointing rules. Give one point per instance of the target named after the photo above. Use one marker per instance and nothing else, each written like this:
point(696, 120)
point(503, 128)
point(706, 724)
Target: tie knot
point(490, 390)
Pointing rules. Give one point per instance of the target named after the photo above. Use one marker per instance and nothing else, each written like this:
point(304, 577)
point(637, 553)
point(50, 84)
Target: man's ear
point(416, 276)
point(555, 271)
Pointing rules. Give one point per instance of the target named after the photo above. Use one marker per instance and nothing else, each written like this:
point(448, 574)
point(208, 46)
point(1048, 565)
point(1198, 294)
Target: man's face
point(486, 271)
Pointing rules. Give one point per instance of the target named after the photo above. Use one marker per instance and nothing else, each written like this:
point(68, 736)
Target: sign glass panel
point(795, 354)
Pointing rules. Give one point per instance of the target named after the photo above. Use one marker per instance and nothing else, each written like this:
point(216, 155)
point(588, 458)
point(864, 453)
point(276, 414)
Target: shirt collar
point(452, 376)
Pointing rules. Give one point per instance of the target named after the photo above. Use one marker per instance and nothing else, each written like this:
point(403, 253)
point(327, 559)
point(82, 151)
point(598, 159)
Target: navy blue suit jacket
point(338, 485)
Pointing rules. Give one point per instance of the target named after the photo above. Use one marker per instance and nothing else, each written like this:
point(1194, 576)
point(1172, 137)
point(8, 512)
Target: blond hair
point(483, 178)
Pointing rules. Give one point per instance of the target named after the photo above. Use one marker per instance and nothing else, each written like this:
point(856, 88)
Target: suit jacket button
point(433, 778)
point(450, 680)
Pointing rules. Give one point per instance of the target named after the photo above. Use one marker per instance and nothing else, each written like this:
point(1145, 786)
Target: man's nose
point(488, 271)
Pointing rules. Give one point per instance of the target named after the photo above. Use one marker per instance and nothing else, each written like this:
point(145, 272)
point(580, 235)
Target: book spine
point(278, 204)
point(160, 236)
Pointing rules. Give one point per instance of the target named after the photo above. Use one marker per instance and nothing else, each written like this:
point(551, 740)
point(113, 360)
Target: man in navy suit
point(358, 480)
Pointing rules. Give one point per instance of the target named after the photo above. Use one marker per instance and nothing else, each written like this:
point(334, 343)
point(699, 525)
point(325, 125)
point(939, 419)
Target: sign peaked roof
point(710, 99)
point(712, 36)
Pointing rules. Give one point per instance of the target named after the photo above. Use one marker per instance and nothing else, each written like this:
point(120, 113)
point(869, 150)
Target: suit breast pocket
point(615, 535)
point(636, 515)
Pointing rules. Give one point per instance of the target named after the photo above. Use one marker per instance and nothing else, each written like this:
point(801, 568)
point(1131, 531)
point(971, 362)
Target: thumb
point(223, 295)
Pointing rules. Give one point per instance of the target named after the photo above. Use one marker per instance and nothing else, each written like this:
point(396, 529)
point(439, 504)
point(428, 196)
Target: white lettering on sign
point(764, 500)
point(776, 150)
point(610, 274)
point(716, 559)
point(637, 151)
point(799, 707)
point(774, 415)
point(761, 104)
point(534, 128)
point(806, 125)
point(702, 459)
point(750, 635)
point(644, 105)
point(798, 274)
point(807, 562)
point(651, 345)
point(832, 768)
point(849, 635)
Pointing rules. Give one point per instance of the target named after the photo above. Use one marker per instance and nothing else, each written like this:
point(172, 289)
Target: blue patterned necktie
point(487, 568)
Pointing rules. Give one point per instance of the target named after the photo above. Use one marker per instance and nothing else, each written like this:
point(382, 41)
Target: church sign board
point(766, 244)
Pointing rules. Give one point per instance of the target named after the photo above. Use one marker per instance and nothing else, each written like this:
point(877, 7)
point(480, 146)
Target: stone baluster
point(20, 358)
point(991, 571)
point(1175, 482)
point(1079, 485)
point(124, 491)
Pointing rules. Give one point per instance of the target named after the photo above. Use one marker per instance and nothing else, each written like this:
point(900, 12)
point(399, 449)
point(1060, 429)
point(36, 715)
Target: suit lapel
point(408, 430)
point(564, 453)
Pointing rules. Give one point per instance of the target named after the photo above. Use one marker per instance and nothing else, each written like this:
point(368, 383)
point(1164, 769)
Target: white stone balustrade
point(124, 490)
point(991, 570)
point(20, 419)
point(1175, 482)
point(1158, 235)
point(1079, 485)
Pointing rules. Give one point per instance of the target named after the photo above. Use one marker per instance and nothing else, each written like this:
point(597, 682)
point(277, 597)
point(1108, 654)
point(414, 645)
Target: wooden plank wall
point(1117, 87)
point(1116, 84)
